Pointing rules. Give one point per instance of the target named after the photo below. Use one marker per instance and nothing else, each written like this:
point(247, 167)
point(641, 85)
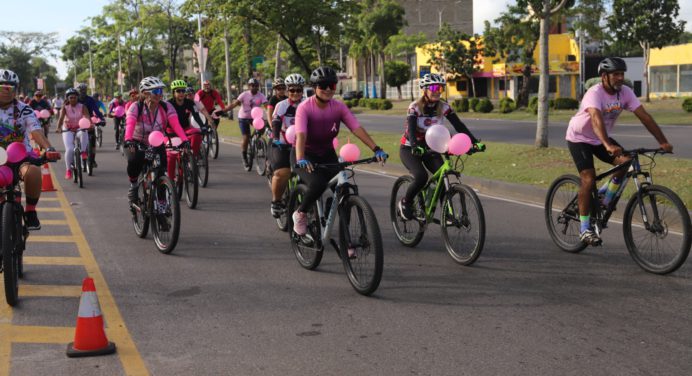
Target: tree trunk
point(473, 84)
point(398, 88)
point(227, 58)
point(277, 57)
point(408, 57)
point(373, 69)
point(544, 83)
point(248, 43)
point(296, 52)
point(647, 54)
point(366, 69)
point(383, 81)
point(318, 47)
point(523, 99)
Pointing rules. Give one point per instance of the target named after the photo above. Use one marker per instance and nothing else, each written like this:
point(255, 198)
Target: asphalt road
point(232, 300)
point(522, 132)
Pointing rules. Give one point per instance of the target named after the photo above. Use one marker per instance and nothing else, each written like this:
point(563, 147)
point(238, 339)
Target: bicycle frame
point(440, 178)
point(342, 188)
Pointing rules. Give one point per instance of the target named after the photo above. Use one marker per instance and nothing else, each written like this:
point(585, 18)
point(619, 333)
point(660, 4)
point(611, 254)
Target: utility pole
point(91, 73)
point(201, 50)
point(228, 63)
point(120, 70)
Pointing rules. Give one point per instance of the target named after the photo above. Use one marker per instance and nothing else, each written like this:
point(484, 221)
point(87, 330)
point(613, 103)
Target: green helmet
point(178, 84)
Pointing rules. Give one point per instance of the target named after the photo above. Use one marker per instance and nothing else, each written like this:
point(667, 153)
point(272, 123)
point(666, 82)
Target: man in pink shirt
point(587, 135)
point(248, 100)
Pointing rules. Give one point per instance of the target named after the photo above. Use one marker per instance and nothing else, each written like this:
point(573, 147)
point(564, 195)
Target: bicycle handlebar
point(341, 165)
point(644, 151)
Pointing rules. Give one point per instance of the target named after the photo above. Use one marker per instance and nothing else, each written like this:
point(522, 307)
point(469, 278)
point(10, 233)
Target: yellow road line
point(43, 199)
point(5, 344)
point(41, 334)
point(46, 210)
point(54, 222)
point(50, 260)
point(52, 238)
point(50, 290)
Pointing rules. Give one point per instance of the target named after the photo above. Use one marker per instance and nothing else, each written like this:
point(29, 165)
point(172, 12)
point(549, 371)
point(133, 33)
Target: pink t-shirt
point(321, 125)
point(139, 123)
point(248, 102)
point(580, 128)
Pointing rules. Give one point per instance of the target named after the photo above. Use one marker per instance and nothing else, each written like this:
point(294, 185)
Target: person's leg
point(244, 125)
point(414, 164)
point(68, 140)
point(172, 157)
point(610, 187)
point(582, 154)
point(135, 162)
point(316, 183)
point(195, 137)
point(31, 175)
point(281, 164)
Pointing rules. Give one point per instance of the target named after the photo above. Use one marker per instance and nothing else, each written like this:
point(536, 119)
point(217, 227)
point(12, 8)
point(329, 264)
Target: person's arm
point(653, 128)
point(301, 127)
point(131, 121)
point(61, 120)
point(412, 122)
point(206, 115)
point(195, 115)
point(40, 138)
point(600, 131)
point(219, 101)
point(459, 126)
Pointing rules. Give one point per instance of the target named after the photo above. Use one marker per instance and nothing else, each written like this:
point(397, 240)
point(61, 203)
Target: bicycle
point(654, 215)
point(203, 157)
point(13, 230)
point(360, 241)
point(257, 151)
point(186, 177)
point(156, 205)
point(282, 221)
point(99, 132)
point(214, 137)
point(462, 219)
point(78, 165)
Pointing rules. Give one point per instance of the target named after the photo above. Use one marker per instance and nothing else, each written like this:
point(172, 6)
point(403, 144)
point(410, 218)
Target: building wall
point(670, 71)
point(425, 15)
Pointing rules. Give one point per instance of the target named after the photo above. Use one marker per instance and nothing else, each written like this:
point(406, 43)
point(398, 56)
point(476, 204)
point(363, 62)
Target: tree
point(589, 16)
point(403, 44)
point(457, 54)
point(649, 23)
point(17, 49)
point(397, 73)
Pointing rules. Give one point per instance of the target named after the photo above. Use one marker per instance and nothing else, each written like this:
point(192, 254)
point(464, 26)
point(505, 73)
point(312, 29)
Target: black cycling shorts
point(280, 157)
point(244, 125)
point(583, 154)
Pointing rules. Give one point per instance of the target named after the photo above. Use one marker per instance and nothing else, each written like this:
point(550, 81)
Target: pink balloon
point(6, 176)
point(335, 143)
point(16, 152)
point(291, 134)
point(437, 137)
point(3, 156)
point(119, 111)
point(257, 112)
point(95, 119)
point(84, 123)
point(44, 114)
point(258, 123)
point(349, 152)
point(459, 144)
point(176, 141)
point(156, 138)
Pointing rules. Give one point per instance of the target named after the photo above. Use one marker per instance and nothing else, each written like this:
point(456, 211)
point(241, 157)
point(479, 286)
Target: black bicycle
point(156, 205)
point(203, 157)
point(655, 222)
point(186, 174)
point(282, 221)
point(98, 132)
point(257, 152)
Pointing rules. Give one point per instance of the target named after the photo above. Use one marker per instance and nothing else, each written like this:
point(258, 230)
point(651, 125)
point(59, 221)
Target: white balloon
point(437, 137)
point(176, 141)
point(3, 156)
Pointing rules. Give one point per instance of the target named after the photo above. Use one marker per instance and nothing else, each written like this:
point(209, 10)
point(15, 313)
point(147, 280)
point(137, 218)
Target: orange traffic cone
point(47, 180)
point(89, 338)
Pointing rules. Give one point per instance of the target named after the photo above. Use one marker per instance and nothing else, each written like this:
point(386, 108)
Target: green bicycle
point(461, 218)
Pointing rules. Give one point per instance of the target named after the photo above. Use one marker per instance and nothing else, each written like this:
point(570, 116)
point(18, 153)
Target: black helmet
point(612, 64)
point(253, 81)
point(323, 75)
point(71, 91)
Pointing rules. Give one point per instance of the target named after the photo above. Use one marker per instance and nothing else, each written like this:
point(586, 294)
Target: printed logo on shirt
point(8, 135)
point(334, 128)
point(612, 110)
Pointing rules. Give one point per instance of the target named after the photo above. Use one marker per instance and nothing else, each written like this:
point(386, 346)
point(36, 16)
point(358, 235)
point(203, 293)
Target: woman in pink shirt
point(68, 125)
point(247, 100)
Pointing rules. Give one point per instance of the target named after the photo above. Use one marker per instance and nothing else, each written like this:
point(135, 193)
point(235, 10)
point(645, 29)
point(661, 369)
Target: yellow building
point(670, 71)
point(495, 80)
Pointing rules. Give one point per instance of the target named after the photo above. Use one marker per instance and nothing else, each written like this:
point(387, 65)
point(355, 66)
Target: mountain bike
point(186, 177)
point(156, 205)
point(203, 157)
point(462, 219)
point(257, 152)
point(78, 164)
point(98, 132)
point(655, 222)
point(360, 241)
point(214, 136)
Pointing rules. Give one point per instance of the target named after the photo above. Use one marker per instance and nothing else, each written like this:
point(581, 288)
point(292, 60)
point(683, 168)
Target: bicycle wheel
point(90, 164)
point(191, 181)
point(562, 213)
point(250, 154)
point(308, 255)
point(140, 211)
point(657, 234)
point(261, 156)
point(179, 178)
point(203, 166)
point(282, 221)
point(78, 178)
point(99, 136)
point(360, 243)
point(9, 260)
point(165, 225)
point(463, 224)
point(408, 232)
point(214, 144)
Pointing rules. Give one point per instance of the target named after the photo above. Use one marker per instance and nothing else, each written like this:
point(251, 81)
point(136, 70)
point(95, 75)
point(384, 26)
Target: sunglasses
point(6, 87)
point(157, 91)
point(279, 87)
point(325, 86)
point(180, 91)
point(297, 90)
point(436, 88)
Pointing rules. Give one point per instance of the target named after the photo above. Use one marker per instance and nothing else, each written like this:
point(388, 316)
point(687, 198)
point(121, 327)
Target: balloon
point(335, 143)
point(95, 119)
point(37, 113)
point(437, 137)
point(84, 123)
point(459, 144)
point(156, 138)
point(119, 111)
point(6, 176)
point(16, 152)
point(291, 134)
point(349, 152)
point(176, 141)
point(258, 123)
point(3, 156)
point(257, 112)
point(45, 114)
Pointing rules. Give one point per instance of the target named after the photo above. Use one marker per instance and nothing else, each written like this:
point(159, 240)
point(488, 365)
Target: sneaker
point(245, 162)
point(132, 193)
point(590, 237)
point(68, 174)
point(277, 209)
point(117, 146)
point(300, 223)
point(405, 211)
point(31, 221)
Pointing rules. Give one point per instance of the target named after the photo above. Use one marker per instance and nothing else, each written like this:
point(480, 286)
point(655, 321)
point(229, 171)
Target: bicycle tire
point(99, 136)
point(364, 270)
point(673, 223)
point(203, 166)
point(191, 181)
point(165, 226)
point(140, 212)
point(179, 178)
point(562, 213)
point(468, 217)
point(308, 257)
point(79, 178)
point(9, 261)
point(250, 157)
point(282, 221)
point(214, 145)
point(409, 237)
point(260, 156)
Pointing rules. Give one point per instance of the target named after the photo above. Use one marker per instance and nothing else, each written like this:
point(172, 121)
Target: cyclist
point(247, 100)
point(93, 107)
point(68, 125)
point(57, 105)
point(317, 123)
point(133, 96)
point(587, 135)
point(39, 103)
point(100, 104)
point(185, 108)
point(148, 114)
point(210, 97)
point(279, 88)
point(284, 117)
point(425, 112)
point(18, 123)
point(118, 121)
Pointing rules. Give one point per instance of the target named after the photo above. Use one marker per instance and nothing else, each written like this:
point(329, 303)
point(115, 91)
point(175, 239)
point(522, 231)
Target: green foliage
point(397, 73)
point(649, 22)
point(385, 104)
point(349, 103)
point(461, 105)
point(473, 102)
point(456, 53)
point(355, 101)
point(597, 80)
point(507, 105)
point(484, 105)
point(551, 103)
point(566, 104)
point(363, 102)
point(687, 104)
point(533, 105)
point(374, 104)
point(24, 53)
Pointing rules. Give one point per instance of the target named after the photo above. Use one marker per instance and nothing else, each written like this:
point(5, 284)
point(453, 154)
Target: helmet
point(82, 86)
point(323, 75)
point(189, 90)
point(294, 79)
point(117, 94)
point(278, 82)
point(431, 79)
point(178, 84)
point(71, 91)
point(612, 64)
point(253, 81)
point(38, 92)
point(8, 77)
point(150, 83)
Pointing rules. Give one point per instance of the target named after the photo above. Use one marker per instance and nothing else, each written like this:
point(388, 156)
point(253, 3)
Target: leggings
point(318, 179)
point(68, 140)
point(417, 167)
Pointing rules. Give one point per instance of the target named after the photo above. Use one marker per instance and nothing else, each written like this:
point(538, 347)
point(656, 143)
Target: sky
point(66, 20)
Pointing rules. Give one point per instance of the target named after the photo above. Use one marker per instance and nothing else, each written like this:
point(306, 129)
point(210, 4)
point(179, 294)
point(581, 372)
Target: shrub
point(566, 104)
point(363, 102)
point(484, 106)
point(473, 102)
point(551, 103)
point(348, 103)
point(461, 105)
point(384, 104)
point(507, 105)
point(533, 105)
point(687, 104)
point(597, 80)
point(354, 102)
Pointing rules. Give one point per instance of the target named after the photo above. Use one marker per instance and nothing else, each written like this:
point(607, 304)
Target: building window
point(461, 85)
point(664, 79)
point(686, 78)
point(501, 84)
point(552, 84)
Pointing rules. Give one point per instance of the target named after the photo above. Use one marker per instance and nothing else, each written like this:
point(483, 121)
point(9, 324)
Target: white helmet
point(431, 79)
point(150, 83)
point(8, 77)
point(294, 79)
